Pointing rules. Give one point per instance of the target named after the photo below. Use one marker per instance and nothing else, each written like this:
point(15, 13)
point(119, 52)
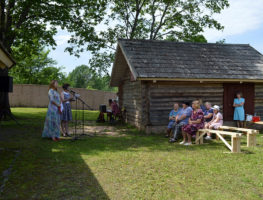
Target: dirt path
point(100, 131)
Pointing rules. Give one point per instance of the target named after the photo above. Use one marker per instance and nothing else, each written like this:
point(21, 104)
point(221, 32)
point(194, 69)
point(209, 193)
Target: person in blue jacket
point(239, 112)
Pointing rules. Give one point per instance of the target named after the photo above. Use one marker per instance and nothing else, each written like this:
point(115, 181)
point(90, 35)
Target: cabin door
point(230, 90)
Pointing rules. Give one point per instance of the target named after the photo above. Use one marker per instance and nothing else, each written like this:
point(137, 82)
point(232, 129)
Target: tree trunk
point(4, 99)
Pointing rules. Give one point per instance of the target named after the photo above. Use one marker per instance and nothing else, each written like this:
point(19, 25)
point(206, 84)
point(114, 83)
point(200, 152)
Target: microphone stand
point(77, 98)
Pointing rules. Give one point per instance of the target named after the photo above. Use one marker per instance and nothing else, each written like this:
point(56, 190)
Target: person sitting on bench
point(114, 110)
point(181, 120)
point(216, 122)
point(196, 121)
point(208, 112)
point(172, 117)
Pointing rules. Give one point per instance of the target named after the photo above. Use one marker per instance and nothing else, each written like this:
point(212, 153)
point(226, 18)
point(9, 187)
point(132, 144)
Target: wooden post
point(217, 138)
point(235, 142)
point(201, 140)
point(196, 138)
point(255, 132)
point(251, 139)
point(248, 139)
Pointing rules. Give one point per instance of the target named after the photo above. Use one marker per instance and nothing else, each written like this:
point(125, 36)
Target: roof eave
point(132, 69)
point(202, 80)
point(114, 66)
point(8, 55)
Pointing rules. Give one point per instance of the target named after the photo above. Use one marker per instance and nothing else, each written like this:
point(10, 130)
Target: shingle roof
point(148, 59)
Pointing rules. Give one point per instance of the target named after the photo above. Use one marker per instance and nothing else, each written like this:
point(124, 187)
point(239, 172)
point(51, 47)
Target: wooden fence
point(36, 96)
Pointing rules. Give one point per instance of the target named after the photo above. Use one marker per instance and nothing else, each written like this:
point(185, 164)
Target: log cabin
point(152, 75)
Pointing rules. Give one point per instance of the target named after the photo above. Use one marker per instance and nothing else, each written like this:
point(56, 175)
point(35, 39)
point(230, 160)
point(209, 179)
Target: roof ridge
point(168, 41)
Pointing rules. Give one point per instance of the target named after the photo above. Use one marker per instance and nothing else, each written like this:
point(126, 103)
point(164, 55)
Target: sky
point(243, 22)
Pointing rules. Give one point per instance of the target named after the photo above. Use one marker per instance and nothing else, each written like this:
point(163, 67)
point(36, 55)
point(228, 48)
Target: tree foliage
point(21, 21)
point(34, 66)
point(85, 77)
point(177, 20)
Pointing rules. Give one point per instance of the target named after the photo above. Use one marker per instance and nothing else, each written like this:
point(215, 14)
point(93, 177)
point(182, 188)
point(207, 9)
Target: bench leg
point(202, 140)
point(196, 137)
point(255, 140)
point(197, 140)
point(235, 141)
point(251, 140)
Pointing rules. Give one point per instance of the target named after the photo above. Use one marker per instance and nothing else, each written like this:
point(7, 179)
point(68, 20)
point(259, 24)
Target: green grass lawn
point(130, 166)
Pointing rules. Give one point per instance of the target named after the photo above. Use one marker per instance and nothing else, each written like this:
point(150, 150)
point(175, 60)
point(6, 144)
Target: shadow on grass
point(43, 170)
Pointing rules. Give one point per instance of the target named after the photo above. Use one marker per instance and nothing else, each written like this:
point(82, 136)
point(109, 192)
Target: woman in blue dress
point(52, 122)
point(66, 117)
point(239, 113)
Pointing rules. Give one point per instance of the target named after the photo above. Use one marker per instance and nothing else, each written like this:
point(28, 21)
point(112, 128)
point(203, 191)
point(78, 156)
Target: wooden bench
point(235, 138)
point(251, 134)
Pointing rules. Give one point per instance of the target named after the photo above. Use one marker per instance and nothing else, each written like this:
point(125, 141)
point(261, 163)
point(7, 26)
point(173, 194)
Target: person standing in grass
point(66, 113)
point(239, 113)
point(52, 122)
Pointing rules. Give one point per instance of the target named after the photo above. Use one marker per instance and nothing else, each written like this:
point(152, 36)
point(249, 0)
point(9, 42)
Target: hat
point(216, 107)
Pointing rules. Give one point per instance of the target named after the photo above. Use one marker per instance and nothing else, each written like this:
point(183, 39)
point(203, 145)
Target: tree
point(85, 77)
point(23, 21)
point(176, 20)
point(101, 82)
point(80, 76)
point(34, 66)
point(51, 73)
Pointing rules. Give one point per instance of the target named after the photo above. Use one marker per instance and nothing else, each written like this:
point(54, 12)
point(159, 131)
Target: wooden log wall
point(148, 104)
point(130, 98)
point(259, 100)
point(162, 96)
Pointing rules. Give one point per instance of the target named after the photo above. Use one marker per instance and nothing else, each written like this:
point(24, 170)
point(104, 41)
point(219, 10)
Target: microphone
point(76, 95)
